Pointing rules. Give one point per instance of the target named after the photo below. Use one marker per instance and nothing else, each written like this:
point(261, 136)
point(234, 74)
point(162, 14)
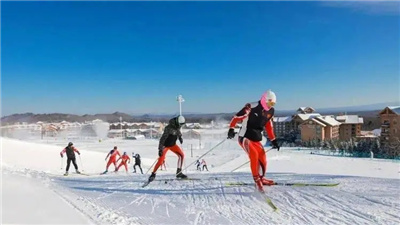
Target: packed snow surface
point(34, 191)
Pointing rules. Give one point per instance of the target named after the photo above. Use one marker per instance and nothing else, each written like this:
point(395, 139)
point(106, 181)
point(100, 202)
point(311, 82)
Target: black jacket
point(255, 122)
point(171, 134)
point(70, 152)
point(137, 160)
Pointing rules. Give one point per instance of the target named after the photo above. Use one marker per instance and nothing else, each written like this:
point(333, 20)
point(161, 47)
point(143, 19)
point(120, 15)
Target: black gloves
point(181, 139)
point(275, 144)
point(61, 155)
point(231, 133)
point(160, 151)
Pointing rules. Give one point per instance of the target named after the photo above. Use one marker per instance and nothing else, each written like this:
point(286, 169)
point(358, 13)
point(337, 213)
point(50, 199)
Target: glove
point(231, 133)
point(61, 155)
point(79, 153)
point(275, 144)
point(160, 151)
point(181, 139)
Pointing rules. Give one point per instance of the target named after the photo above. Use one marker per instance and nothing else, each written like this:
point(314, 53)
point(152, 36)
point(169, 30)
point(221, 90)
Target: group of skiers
point(111, 156)
point(200, 164)
point(255, 117)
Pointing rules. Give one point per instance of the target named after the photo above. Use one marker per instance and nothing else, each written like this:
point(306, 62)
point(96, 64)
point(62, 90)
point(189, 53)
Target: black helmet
point(70, 144)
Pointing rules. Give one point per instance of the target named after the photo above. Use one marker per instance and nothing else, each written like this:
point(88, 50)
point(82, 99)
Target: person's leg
point(160, 160)
point(119, 166)
point(140, 167)
point(68, 164)
point(126, 167)
point(263, 165)
point(178, 151)
point(115, 165)
point(251, 148)
point(134, 168)
point(108, 164)
point(75, 165)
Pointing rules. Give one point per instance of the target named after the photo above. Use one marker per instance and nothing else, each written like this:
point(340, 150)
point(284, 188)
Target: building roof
point(308, 115)
point(395, 109)
point(350, 119)
point(318, 122)
point(284, 119)
point(329, 120)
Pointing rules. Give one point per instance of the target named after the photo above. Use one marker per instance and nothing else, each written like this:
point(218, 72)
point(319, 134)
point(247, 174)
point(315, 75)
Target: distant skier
point(203, 162)
point(113, 158)
point(124, 160)
point(168, 142)
point(70, 151)
point(137, 163)
point(198, 164)
point(256, 117)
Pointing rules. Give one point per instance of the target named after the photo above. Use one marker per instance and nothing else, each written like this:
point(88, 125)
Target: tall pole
point(180, 100)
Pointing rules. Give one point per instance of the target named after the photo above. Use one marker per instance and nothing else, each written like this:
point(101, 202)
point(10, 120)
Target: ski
point(269, 202)
point(166, 180)
point(179, 179)
point(288, 184)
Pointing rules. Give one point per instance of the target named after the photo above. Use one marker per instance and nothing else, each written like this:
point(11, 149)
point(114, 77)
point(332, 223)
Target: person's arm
point(269, 127)
point(240, 116)
point(164, 137)
point(107, 156)
point(76, 150)
point(62, 152)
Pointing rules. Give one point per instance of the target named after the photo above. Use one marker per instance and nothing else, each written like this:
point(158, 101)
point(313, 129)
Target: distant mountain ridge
point(364, 110)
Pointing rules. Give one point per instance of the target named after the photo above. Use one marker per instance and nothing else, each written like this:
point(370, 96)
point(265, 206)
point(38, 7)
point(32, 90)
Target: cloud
point(370, 7)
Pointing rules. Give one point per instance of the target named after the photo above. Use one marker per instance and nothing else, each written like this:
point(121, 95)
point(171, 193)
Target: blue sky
point(136, 57)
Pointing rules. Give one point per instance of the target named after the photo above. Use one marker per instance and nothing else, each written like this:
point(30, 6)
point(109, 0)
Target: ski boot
point(78, 172)
point(179, 174)
point(66, 173)
point(259, 184)
point(266, 181)
point(152, 177)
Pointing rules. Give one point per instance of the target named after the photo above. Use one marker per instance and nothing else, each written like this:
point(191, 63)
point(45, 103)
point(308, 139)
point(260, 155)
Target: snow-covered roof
point(350, 119)
point(308, 115)
point(395, 109)
point(318, 122)
point(328, 120)
point(284, 119)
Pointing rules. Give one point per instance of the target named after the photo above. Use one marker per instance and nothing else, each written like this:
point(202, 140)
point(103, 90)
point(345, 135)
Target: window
point(394, 122)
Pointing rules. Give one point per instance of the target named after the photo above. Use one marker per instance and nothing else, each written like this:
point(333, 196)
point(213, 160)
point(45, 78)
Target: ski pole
point(62, 163)
point(203, 155)
point(151, 166)
point(81, 162)
point(247, 162)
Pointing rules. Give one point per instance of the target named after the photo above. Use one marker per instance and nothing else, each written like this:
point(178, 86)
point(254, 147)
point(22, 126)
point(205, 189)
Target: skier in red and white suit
point(124, 160)
point(113, 158)
point(255, 118)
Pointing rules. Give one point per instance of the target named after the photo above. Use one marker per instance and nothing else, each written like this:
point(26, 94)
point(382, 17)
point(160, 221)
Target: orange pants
point(113, 161)
point(175, 149)
point(256, 153)
point(123, 163)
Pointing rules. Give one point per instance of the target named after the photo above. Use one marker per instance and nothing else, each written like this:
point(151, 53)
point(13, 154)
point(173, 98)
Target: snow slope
point(368, 192)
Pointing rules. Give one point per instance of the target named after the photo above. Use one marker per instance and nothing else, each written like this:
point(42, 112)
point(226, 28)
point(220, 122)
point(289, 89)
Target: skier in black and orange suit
point(255, 118)
point(167, 142)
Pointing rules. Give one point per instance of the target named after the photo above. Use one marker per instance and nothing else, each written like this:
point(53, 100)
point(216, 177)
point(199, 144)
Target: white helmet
point(268, 96)
point(181, 120)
